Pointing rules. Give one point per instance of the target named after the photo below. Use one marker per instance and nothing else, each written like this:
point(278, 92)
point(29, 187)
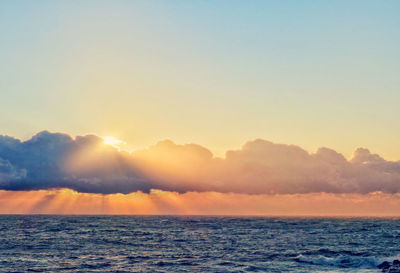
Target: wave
point(345, 261)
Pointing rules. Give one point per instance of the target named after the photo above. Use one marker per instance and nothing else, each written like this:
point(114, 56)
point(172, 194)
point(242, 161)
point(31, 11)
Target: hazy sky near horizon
point(217, 73)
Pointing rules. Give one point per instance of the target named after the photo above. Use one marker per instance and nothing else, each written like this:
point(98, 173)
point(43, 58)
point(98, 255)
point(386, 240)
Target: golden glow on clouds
point(112, 141)
point(65, 201)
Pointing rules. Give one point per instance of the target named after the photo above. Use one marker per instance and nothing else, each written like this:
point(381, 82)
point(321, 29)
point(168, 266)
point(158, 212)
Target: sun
point(112, 141)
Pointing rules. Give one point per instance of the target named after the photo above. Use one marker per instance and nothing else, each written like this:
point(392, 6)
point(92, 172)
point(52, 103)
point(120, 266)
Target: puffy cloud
point(277, 168)
point(9, 172)
point(86, 164)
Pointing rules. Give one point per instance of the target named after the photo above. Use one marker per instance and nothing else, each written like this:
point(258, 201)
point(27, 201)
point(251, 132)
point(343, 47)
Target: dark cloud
point(47, 161)
point(86, 164)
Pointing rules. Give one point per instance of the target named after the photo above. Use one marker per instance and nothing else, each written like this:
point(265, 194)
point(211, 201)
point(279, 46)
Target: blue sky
point(218, 73)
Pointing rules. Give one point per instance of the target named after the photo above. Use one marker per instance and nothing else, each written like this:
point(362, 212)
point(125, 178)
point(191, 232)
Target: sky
point(217, 73)
point(257, 101)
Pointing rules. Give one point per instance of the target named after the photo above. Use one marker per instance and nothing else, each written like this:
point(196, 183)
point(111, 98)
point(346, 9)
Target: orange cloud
point(86, 164)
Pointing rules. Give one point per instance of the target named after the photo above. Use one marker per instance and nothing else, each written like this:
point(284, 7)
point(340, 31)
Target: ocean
point(41, 243)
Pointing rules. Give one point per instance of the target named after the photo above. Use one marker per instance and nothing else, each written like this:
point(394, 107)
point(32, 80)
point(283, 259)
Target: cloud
point(277, 168)
point(9, 172)
point(86, 164)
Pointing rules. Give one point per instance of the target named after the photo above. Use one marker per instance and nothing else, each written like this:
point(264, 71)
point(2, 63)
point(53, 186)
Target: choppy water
point(195, 244)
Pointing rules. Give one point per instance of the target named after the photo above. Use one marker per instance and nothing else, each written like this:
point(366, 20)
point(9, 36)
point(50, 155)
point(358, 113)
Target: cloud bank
point(86, 164)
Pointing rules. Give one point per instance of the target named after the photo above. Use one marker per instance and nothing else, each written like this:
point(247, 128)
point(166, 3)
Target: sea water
point(38, 243)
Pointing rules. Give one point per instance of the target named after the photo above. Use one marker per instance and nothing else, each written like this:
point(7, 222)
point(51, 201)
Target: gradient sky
point(217, 73)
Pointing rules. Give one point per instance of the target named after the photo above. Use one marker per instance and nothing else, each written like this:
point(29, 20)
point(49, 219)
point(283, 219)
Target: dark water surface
point(39, 243)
